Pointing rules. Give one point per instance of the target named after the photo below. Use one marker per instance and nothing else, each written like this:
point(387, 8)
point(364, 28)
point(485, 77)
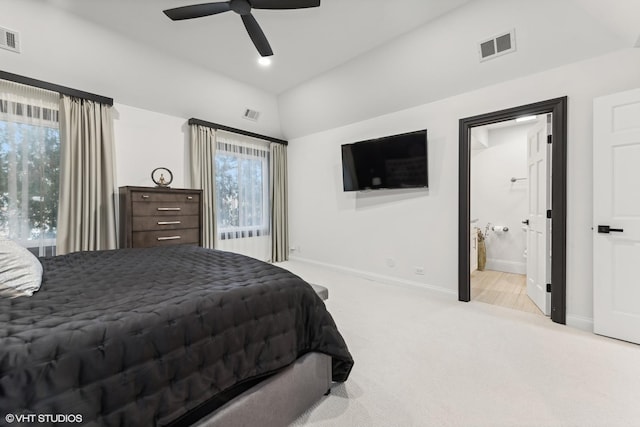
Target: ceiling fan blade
point(256, 34)
point(197, 10)
point(283, 4)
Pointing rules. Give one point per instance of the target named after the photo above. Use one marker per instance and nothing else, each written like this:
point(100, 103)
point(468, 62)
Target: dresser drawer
point(150, 223)
point(165, 208)
point(152, 196)
point(144, 239)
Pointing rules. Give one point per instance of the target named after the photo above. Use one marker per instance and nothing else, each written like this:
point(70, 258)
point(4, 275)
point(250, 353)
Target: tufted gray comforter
point(142, 336)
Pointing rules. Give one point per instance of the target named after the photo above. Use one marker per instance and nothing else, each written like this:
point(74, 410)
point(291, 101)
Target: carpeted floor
point(424, 359)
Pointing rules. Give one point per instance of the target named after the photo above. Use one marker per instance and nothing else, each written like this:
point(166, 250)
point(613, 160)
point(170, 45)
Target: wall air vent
point(497, 45)
point(251, 115)
point(9, 40)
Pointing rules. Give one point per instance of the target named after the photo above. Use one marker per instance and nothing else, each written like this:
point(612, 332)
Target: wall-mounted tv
point(398, 161)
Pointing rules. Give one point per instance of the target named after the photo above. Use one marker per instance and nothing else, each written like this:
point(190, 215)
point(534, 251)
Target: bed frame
point(279, 400)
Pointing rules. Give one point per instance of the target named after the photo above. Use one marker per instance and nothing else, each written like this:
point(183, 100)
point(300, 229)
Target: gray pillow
point(20, 270)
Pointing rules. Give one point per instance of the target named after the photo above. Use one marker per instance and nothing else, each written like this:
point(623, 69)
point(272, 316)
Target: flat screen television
point(398, 161)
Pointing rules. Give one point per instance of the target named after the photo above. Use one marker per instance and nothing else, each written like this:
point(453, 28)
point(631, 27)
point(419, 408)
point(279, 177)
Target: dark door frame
point(558, 107)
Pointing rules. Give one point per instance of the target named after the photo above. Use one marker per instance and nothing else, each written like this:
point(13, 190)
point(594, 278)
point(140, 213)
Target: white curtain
point(242, 195)
point(29, 165)
point(203, 149)
point(86, 215)
point(279, 203)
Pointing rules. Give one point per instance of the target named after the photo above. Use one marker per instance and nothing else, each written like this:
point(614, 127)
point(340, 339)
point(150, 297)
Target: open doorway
point(554, 287)
point(510, 185)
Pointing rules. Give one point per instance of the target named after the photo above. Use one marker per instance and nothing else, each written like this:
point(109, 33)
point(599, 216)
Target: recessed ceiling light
point(265, 61)
point(525, 119)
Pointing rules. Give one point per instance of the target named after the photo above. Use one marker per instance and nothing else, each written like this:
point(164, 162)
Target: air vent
point(9, 40)
point(497, 45)
point(251, 115)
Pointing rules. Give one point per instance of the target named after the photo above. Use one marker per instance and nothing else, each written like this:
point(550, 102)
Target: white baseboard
point(375, 277)
point(579, 322)
point(506, 266)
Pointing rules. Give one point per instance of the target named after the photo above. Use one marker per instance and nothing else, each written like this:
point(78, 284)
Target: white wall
point(441, 59)
point(497, 200)
point(146, 140)
point(63, 49)
point(360, 231)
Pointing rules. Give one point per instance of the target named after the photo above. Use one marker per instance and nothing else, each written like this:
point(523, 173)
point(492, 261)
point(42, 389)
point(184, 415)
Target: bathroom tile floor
point(503, 289)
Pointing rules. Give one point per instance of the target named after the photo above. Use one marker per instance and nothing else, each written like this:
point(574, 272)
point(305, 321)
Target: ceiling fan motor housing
point(241, 7)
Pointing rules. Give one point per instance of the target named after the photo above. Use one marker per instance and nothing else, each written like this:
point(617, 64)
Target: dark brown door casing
point(558, 108)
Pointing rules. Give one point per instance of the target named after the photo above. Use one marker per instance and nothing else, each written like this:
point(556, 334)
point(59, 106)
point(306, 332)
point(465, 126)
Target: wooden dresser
point(160, 216)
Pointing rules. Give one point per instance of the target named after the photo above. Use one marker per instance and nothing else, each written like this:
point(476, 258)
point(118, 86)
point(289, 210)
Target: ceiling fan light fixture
point(264, 61)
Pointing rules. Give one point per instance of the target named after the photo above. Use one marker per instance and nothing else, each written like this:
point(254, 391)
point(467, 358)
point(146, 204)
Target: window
point(242, 189)
point(29, 166)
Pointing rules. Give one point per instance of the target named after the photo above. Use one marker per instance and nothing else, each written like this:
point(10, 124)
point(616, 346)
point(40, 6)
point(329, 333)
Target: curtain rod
point(55, 88)
point(193, 121)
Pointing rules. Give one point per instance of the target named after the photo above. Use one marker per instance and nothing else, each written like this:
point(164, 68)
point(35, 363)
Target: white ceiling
point(306, 42)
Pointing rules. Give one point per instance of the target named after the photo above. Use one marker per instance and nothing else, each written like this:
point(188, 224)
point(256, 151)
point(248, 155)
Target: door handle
point(605, 229)
point(526, 222)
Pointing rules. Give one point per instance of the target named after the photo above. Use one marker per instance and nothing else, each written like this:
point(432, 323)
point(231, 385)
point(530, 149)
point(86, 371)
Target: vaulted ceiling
point(345, 61)
point(306, 42)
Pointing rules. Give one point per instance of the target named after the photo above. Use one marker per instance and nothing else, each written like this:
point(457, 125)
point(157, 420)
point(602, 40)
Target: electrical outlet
point(419, 271)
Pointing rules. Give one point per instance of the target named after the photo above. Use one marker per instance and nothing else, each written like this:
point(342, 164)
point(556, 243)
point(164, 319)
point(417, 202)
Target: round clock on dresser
point(162, 177)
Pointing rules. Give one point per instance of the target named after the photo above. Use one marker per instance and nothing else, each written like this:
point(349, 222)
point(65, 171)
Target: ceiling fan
point(242, 8)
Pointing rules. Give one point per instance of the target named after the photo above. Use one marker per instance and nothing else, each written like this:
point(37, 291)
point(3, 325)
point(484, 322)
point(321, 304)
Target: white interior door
point(538, 247)
point(616, 204)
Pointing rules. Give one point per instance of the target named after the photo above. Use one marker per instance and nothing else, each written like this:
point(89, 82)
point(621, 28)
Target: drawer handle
point(160, 239)
point(168, 209)
point(168, 222)
point(144, 196)
point(189, 197)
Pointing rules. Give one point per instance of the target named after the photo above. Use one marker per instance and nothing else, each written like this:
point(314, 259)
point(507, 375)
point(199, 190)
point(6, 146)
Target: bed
point(162, 336)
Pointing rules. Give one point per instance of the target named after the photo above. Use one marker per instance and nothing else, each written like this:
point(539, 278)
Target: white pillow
point(20, 270)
